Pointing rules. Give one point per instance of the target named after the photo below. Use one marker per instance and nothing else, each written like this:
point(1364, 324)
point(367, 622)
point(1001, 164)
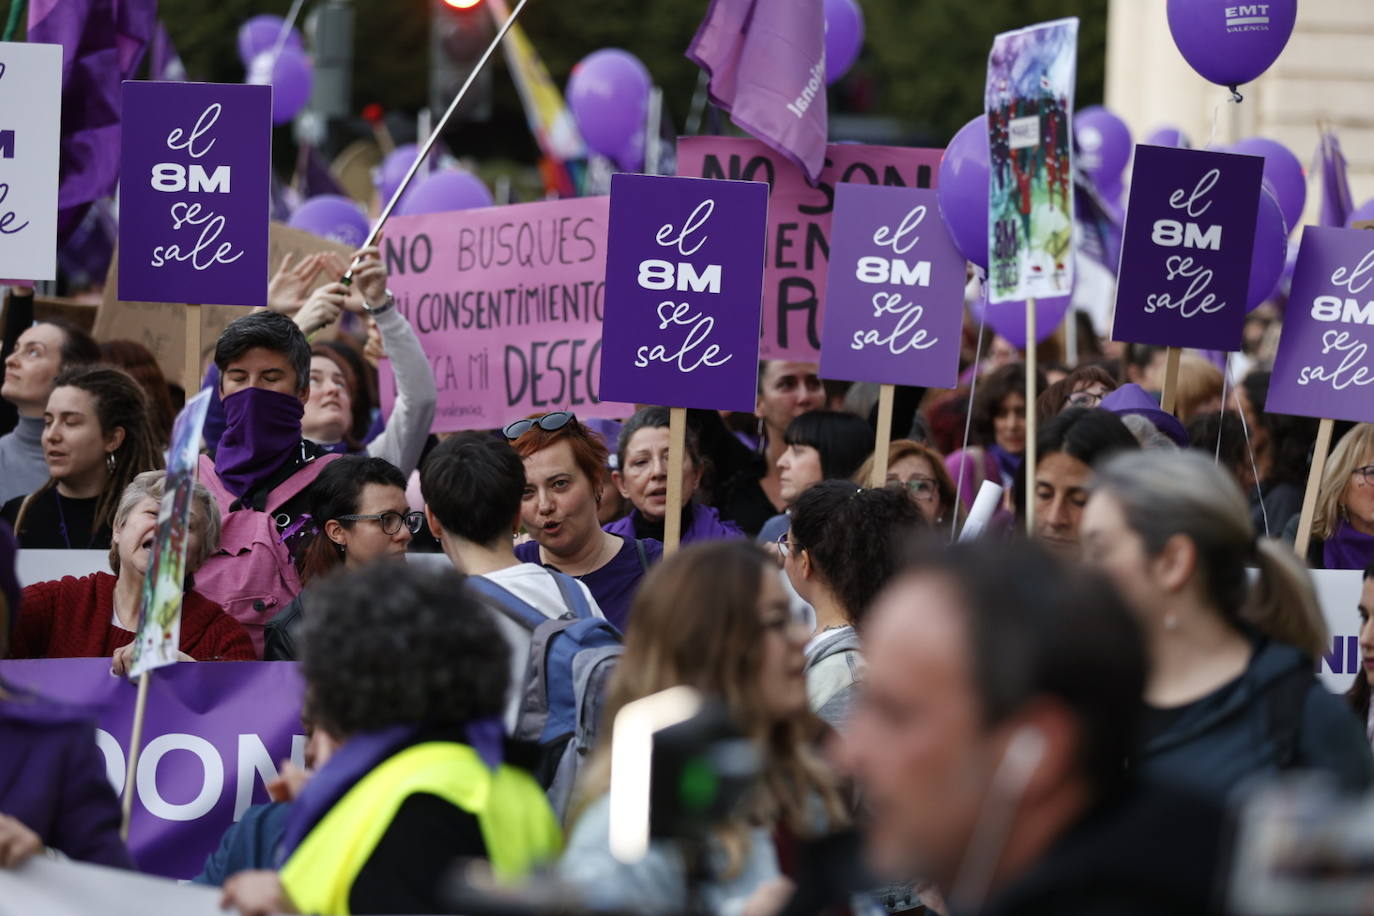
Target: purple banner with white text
point(195, 179)
point(214, 734)
point(1323, 367)
point(1186, 248)
point(895, 300)
point(684, 272)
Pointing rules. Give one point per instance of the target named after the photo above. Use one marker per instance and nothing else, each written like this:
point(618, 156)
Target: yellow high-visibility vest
point(518, 826)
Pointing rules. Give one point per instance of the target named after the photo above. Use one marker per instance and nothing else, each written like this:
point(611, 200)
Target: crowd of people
point(1001, 726)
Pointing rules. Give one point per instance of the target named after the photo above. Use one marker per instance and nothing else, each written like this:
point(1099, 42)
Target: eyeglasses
point(1365, 475)
point(1083, 399)
point(784, 543)
point(391, 522)
point(549, 422)
point(922, 488)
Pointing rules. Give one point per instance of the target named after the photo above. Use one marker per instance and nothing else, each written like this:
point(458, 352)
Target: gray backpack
point(570, 663)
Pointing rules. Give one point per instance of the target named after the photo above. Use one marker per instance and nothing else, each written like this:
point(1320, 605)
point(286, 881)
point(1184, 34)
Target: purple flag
point(1337, 204)
point(684, 279)
point(896, 290)
point(313, 177)
point(194, 197)
point(766, 61)
point(1323, 367)
point(214, 735)
point(102, 44)
point(1099, 220)
point(1186, 249)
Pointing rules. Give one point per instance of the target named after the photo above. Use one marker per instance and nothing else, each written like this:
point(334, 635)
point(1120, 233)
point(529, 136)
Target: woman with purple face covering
point(54, 795)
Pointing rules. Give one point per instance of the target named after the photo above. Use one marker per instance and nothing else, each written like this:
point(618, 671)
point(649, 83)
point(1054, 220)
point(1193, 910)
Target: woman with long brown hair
point(97, 437)
point(714, 617)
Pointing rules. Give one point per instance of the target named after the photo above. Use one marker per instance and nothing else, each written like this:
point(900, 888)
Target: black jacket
point(1152, 852)
point(1275, 716)
point(279, 636)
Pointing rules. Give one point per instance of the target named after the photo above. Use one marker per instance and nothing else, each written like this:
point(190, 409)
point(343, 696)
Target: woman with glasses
point(1085, 386)
point(713, 617)
point(358, 513)
point(1343, 525)
point(840, 552)
point(920, 470)
point(563, 489)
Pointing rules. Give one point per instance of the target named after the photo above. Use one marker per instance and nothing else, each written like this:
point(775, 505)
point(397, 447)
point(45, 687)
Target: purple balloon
point(1009, 318)
point(1168, 135)
point(963, 190)
point(291, 78)
point(844, 37)
point(260, 34)
point(442, 192)
point(1229, 45)
point(608, 94)
point(1104, 144)
point(393, 169)
point(1363, 212)
point(1283, 173)
point(1270, 251)
point(332, 216)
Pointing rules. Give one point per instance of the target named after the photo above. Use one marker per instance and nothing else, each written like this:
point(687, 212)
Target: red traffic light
point(462, 4)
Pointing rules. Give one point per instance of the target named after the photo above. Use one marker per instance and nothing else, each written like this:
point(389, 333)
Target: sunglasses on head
point(549, 422)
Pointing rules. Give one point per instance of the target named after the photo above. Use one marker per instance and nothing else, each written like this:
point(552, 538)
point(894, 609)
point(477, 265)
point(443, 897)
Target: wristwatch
point(384, 307)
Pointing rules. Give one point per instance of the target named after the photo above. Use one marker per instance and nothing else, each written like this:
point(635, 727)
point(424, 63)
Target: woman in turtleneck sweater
point(1343, 525)
point(642, 478)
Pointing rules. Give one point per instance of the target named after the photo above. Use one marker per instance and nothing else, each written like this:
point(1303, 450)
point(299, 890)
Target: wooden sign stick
point(1169, 396)
point(672, 520)
point(135, 742)
point(1314, 483)
point(191, 379)
point(1030, 416)
point(883, 440)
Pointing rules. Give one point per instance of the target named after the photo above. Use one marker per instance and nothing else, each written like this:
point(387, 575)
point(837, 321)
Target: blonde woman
point(1343, 525)
point(713, 617)
point(1231, 693)
point(920, 470)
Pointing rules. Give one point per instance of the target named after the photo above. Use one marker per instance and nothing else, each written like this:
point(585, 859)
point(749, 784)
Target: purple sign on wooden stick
point(895, 299)
point(1323, 367)
point(684, 280)
point(194, 189)
point(1186, 248)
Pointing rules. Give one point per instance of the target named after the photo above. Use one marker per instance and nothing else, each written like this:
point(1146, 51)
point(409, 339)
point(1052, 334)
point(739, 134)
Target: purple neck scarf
point(261, 429)
point(362, 754)
point(1007, 463)
point(1347, 548)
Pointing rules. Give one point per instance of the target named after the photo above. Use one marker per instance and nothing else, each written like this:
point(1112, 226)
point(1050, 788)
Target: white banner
point(30, 124)
point(52, 887)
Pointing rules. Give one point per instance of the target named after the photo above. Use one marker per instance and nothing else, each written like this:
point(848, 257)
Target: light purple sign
point(1186, 248)
point(1323, 367)
point(214, 734)
point(895, 291)
point(684, 285)
point(194, 187)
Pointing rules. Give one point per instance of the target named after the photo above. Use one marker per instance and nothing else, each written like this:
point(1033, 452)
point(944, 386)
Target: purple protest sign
point(896, 290)
point(215, 733)
point(1323, 367)
point(1186, 248)
point(194, 189)
point(684, 277)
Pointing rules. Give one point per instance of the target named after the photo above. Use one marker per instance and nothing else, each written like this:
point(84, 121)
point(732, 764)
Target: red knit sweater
point(73, 618)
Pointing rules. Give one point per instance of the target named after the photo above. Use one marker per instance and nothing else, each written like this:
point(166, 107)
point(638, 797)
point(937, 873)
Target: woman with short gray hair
point(97, 615)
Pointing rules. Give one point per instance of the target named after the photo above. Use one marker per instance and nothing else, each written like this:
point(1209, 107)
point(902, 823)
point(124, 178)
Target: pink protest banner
point(507, 302)
point(798, 245)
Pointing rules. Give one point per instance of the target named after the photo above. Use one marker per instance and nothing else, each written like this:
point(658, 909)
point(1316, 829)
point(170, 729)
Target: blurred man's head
point(1002, 690)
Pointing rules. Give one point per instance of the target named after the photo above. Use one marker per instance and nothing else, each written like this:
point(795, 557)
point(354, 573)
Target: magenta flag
point(766, 63)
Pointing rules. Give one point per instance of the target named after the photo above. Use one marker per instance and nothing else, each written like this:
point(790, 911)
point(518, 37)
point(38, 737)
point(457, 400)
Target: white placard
point(30, 129)
point(46, 887)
